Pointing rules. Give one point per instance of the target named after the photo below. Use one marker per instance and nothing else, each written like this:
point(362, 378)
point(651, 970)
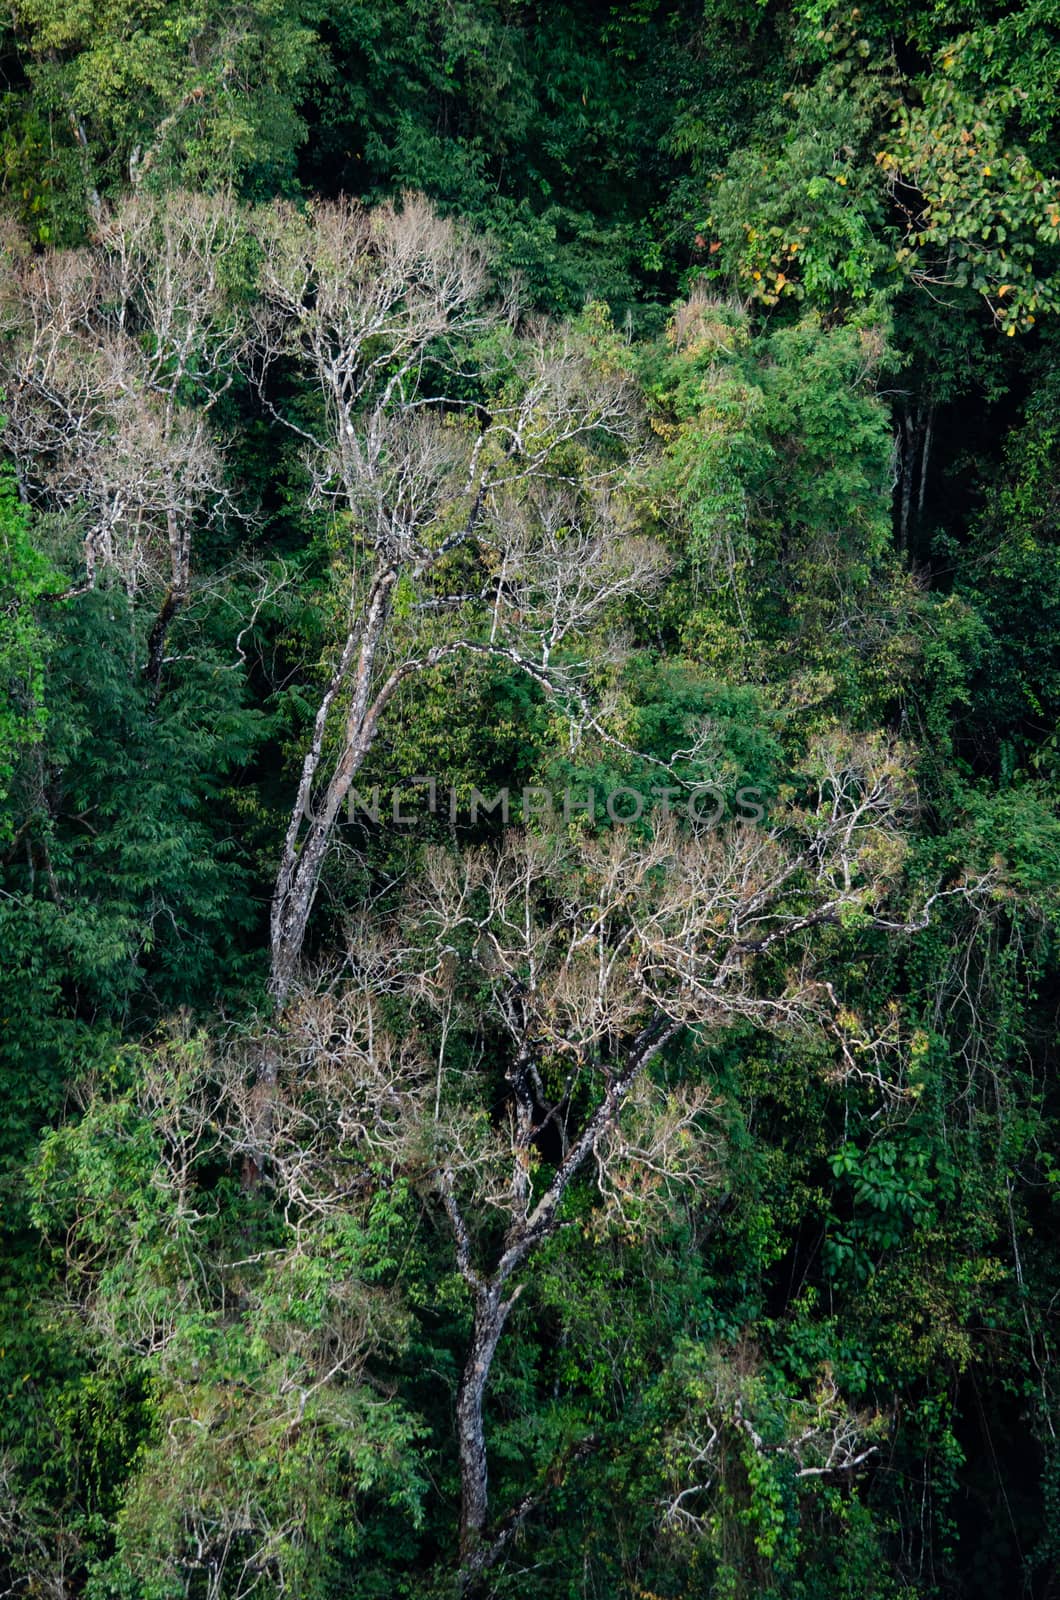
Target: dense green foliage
point(794, 273)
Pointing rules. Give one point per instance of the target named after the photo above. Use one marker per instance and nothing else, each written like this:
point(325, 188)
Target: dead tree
point(114, 358)
point(505, 535)
point(587, 957)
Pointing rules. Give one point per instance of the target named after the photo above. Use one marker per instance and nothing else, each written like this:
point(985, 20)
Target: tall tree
point(481, 510)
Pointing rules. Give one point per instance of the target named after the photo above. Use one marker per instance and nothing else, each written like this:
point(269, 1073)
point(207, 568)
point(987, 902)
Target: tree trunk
point(492, 1306)
point(156, 639)
point(491, 1313)
point(925, 457)
point(303, 856)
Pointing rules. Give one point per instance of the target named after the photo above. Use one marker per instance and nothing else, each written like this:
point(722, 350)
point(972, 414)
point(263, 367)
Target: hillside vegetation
point(529, 852)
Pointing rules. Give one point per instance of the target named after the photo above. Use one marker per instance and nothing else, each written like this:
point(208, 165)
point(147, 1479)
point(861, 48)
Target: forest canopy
point(529, 852)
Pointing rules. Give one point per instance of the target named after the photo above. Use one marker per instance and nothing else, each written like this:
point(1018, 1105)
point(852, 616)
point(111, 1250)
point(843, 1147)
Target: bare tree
point(586, 957)
point(494, 515)
point(114, 357)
